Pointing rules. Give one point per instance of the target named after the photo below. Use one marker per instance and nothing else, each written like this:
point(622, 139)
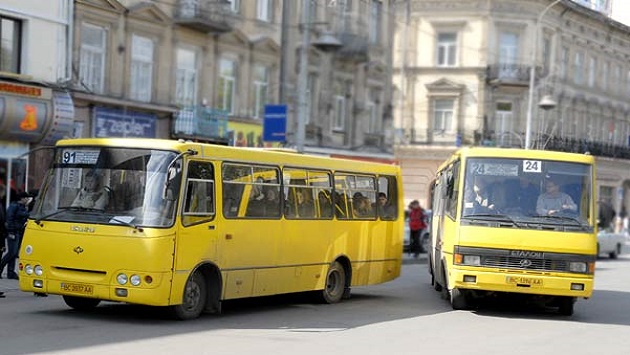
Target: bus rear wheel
point(335, 283)
point(81, 303)
point(194, 298)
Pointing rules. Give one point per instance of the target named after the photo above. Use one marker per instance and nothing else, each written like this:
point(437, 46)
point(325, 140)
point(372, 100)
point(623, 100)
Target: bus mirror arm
point(165, 195)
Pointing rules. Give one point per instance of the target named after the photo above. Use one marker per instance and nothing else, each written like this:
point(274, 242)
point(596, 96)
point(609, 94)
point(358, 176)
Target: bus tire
point(81, 303)
point(459, 299)
point(193, 300)
point(565, 306)
point(335, 285)
point(615, 253)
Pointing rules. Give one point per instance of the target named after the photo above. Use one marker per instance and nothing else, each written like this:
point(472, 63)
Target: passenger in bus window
point(553, 201)
point(271, 203)
point(91, 195)
point(305, 206)
point(385, 209)
point(361, 206)
point(478, 197)
point(325, 205)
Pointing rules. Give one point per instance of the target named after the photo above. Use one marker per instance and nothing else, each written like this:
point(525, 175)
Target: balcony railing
point(511, 74)
point(202, 123)
point(560, 144)
point(352, 32)
point(205, 15)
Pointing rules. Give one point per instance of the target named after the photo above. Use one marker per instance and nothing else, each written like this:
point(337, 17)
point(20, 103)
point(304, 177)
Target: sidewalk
point(409, 259)
point(8, 285)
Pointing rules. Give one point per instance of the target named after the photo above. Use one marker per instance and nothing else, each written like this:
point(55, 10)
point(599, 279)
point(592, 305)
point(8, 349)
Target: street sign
point(275, 123)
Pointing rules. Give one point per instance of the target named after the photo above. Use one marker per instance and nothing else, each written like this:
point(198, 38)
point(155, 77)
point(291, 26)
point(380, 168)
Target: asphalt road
point(405, 316)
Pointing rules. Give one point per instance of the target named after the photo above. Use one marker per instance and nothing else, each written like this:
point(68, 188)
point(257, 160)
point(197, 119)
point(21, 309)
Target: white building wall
point(44, 22)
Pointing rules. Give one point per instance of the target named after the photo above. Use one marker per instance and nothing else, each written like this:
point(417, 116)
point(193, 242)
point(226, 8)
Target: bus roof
point(284, 157)
point(490, 152)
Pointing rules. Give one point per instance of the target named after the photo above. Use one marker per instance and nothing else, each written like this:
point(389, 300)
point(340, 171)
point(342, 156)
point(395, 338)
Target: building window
point(604, 77)
point(92, 59)
point(503, 123)
point(592, 72)
point(10, 44)
point(141, 68)
point(546, 52)
point(186, 81)
point(227, 84)
point(312, 97)
point(617, 79)
point(443, 110)
point(375, 21)
point(373, 110)
point(264, 10)
point(508, 55)
point(261, 87)
point(234, 5)
point(578, 68)
point(446, 49)
point(564, 62)
point(339, 107)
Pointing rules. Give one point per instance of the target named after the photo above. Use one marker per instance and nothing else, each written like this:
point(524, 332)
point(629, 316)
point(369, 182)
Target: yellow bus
point(514, 221)
point(187, 225)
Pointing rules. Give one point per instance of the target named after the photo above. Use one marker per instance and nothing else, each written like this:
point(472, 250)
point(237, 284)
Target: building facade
point(35, 107)
point(205, 69)
point(462, 71)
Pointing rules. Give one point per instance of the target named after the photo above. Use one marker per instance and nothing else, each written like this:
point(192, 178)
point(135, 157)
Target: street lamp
point(532, 74)
point(326, 42)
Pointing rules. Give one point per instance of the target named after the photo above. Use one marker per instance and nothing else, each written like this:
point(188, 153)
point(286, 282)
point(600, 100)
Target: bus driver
point(91, 195)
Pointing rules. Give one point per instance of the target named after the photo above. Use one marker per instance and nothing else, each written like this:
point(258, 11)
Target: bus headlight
point(472, 260)
point(28, 269)
point(122, 279)
point(578, 267)
point(39, 270)
point(135, 280)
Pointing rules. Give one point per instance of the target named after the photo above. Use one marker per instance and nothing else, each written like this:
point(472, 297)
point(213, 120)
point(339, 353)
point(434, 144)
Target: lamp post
point(532, 74)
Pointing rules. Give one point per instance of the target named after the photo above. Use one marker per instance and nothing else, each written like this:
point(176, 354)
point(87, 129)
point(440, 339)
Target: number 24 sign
point(532, 166)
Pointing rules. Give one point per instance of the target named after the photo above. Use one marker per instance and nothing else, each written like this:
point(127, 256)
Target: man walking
point(16, 217)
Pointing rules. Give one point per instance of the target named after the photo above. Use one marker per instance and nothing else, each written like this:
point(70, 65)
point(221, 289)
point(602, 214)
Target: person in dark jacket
point(3, 231)
point(416, 225)
point(16, 217)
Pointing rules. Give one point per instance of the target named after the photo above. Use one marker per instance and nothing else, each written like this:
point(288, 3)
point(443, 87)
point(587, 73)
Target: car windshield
point(527, 193)
point(103, 185)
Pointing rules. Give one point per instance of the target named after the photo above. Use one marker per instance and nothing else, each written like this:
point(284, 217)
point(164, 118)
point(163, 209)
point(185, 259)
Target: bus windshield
point(528, 193)
point(102, 185)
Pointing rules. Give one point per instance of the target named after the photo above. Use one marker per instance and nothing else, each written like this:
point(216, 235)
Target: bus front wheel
point(459, 299)
point(335, 283)
point(194, 299)
point(565, 306)
point(81, 303)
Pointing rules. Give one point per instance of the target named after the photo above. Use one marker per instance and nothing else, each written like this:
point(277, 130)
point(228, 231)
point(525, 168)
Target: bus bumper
point(157, 294)
point(570, 285)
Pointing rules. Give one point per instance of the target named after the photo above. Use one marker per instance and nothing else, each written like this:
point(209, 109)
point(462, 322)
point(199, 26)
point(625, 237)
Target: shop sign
point(123, 123)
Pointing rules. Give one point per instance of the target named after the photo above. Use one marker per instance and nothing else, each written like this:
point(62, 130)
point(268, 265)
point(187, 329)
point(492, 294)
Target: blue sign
point(275, 123)
point(123, 123)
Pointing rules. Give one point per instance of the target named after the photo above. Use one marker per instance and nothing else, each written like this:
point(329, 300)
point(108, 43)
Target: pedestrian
point(3, 230)
point(416, 225)
point(16, 217)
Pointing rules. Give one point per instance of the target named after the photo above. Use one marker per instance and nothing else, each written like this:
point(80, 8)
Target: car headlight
point(578, 267)
point(472, 260)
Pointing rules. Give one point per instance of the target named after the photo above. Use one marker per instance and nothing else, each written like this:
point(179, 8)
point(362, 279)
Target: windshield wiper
point(495, 217)
point(128, 224)
point(64, 209)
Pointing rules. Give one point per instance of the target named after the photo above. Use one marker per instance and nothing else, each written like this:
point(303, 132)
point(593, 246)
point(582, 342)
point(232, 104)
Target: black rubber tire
point(194, 299)
point(565, 306)
point(614, 254)
point(81, 303)
point(459, 299)
point(335, 285)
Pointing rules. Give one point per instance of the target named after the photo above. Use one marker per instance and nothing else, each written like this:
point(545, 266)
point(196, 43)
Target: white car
point(610, 243)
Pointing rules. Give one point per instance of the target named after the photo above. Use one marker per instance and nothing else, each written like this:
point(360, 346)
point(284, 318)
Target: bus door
point(197, 237)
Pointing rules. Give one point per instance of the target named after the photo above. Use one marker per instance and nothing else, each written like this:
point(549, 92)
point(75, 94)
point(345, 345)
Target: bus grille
point(525, 263)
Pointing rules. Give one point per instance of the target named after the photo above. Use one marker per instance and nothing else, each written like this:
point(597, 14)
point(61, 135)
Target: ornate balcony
point(511, 74)
point(202, 123)
point(205, 15)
